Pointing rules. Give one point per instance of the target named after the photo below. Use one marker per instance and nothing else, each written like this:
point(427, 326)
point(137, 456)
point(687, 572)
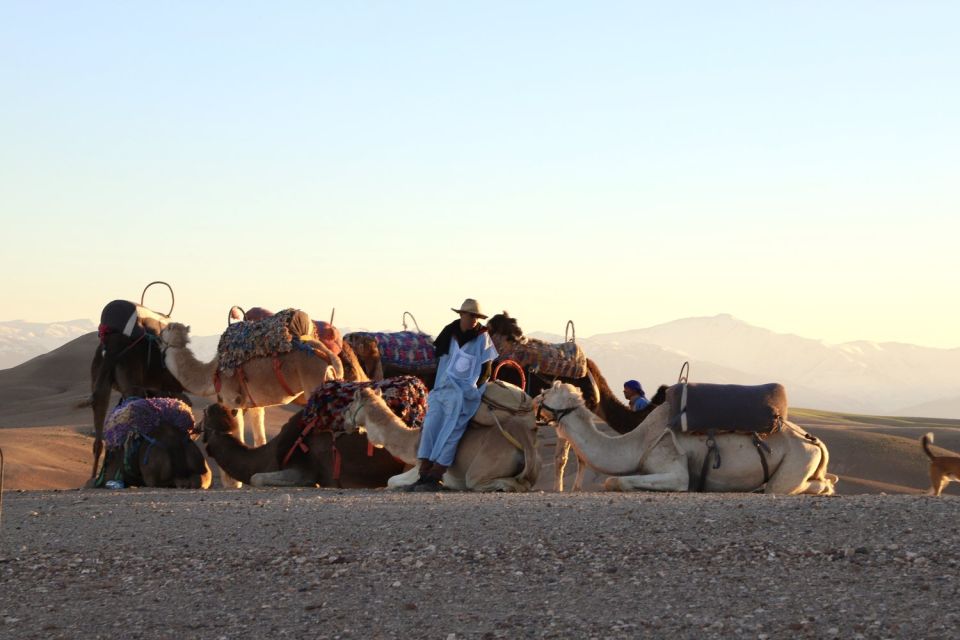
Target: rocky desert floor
point(378, 564)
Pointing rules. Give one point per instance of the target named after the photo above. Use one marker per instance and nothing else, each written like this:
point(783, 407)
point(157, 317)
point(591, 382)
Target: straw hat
point(470, 306)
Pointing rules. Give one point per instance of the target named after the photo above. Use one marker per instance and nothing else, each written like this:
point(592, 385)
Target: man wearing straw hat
point(466, 355)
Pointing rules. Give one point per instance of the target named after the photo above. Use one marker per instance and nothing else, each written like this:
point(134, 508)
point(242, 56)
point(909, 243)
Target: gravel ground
point(376, 564)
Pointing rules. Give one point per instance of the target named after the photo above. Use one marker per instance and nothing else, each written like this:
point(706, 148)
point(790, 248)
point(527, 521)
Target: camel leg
point(285, 478)
point(561, 454)
point(796, 472)
point(673, 480)
point(406, 478)
point(258, 427)
point(581, 471)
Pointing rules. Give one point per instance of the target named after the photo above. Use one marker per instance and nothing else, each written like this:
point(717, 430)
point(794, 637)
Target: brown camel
point(367, 352)
point(165, 458)
point(261, 382)
point(263, 466)
point(128, 359)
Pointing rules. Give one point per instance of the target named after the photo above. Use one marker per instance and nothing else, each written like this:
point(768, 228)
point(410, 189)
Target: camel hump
point(701, 407)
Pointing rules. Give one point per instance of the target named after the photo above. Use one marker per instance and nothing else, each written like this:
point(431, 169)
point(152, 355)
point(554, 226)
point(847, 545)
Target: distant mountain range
point(21, 341)
point(862, 377)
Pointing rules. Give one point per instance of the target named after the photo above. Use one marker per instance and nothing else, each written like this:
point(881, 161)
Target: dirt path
point(340, 564)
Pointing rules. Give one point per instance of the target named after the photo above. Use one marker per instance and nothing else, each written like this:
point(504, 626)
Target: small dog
point(943, 469)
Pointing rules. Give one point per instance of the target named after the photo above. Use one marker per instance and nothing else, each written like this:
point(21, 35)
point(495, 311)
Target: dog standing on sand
point(943, 469)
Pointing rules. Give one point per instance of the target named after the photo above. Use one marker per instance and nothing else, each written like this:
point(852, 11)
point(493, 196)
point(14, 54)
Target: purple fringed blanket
point(143, 415)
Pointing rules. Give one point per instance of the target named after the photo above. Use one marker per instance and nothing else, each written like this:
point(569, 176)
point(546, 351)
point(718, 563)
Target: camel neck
point(616, 455)
point(195, 376)
point(385, 428)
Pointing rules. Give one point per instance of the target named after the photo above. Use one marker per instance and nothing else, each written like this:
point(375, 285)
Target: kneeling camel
point(489, 458)
point(653, 457)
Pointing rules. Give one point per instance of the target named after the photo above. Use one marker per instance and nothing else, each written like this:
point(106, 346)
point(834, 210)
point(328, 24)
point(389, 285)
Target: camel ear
point(377, 392)
point(234, 412)
point(505, 314)
point(187, 329)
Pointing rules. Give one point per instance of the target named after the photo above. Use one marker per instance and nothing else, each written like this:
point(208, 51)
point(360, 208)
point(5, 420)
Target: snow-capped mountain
point(20, 340)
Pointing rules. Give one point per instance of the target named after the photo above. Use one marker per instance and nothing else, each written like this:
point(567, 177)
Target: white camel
point(261, 384)
point(654, 458)
point(488, 458)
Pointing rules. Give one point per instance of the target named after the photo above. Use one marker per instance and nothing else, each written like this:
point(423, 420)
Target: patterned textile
point(142, 416)
point(243, 341)
point(405, 395)
point(565, 359)
point(403, 348)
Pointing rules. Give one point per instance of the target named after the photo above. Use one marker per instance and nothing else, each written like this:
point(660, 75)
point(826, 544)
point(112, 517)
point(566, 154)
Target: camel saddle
point(405, 349)
point(565, 360)
point(503, 400)
point(272, 336)
point(405, 395)
point(141, 416)
point(702, 408)
point(130, 319)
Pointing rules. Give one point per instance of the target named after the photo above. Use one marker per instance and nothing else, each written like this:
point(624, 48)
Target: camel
point(368, 355)
point(352, 372)
point(128, 359)
point(599, 398)
point(263, 466)
point(653, 457)
point(487, 460)
point(262, 382)
point(326, 333)
point(165, 458)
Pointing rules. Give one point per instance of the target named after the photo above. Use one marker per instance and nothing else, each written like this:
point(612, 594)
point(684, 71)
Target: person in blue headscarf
point(465, 355)
point(633, 392)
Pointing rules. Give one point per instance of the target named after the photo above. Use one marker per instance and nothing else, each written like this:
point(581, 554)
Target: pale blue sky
point(622, 164)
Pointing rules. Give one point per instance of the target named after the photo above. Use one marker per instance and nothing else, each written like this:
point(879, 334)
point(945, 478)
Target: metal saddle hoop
point(173, 299)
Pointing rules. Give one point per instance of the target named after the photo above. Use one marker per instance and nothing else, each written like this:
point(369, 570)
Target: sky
point(621, 164)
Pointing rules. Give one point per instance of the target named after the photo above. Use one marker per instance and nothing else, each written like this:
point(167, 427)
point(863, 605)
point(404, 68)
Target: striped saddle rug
point(408, 349)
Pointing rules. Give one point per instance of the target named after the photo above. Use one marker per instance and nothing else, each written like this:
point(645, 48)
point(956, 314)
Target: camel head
point(502, 324)
point(217, 419)
point(361, 398)
point(557, 401)
point(175, 335)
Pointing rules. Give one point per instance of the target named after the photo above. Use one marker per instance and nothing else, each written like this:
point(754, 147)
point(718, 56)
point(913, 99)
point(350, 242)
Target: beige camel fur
point(486, 460)
point(797, 465)
point(352, 372)
point(302, 370)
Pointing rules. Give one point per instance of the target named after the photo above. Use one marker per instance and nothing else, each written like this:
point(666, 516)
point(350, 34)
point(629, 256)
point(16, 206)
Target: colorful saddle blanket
point(699, 407)
point(565, 360)
point(405, 395)
point(141, 416)
point(274, 335)
point(408, 349)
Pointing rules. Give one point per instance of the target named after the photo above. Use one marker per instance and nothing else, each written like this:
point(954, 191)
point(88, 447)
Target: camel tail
point(925, 442)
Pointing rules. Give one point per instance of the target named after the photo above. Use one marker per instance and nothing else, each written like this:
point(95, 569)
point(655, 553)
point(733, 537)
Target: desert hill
point(47, 439)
